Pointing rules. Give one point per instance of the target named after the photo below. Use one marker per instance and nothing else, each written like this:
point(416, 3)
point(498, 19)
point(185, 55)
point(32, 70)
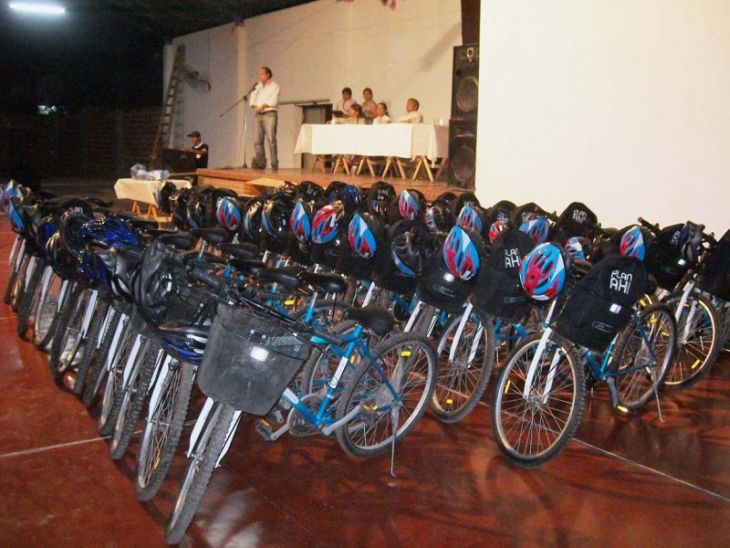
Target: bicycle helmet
point(464, 199)
point(438, 218)
point(179, 207)
point(228, 213)
point(632, 243)
point(251, 225)
point(543, 272)
point(300, 222)
point(691, 239)
point(109, 232)
point(380, 196)
point(309, 191)
point(406, 255)
point(47, 228)
point(578, 248)
point(326, 223)
point(363, 233)
point(275, 219)
point(460, 252)
point(496, 229)
point(536, 227)
point(166, 190)
point(470, 218)
point(445, 198)
point(334, 191)
point(410, 204)
point(501, 211)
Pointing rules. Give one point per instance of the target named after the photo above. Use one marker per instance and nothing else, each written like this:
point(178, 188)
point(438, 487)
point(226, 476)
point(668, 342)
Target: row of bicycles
point(351, 314)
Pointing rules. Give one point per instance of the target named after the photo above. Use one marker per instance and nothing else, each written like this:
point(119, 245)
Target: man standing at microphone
point(264, 101)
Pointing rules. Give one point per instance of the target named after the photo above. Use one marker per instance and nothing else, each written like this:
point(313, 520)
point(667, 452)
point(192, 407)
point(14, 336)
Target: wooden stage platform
point(252, 182)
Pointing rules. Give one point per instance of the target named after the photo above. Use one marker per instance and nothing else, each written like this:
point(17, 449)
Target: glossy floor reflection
point(625, 481)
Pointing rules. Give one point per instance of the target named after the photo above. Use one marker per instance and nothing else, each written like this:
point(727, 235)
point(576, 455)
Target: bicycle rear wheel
point(392, 397)
point(29, 301)
point(203, 461)
point(698, 341)
point(533, 426)
point(642, 357)
point(466, 352)
point(47, 311)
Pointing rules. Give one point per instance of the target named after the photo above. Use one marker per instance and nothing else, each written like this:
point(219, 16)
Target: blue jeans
point(265, 125)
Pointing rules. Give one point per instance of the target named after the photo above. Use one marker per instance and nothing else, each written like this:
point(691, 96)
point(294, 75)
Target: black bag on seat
point(250, 359)
point(498, 291)
point(664, 258)
point(576, 220)
point(601, 303)
point(715, 277)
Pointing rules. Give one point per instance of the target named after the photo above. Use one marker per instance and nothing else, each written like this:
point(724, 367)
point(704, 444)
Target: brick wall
point(140, 126)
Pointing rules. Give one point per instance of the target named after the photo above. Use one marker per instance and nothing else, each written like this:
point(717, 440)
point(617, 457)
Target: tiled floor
point(623, 482)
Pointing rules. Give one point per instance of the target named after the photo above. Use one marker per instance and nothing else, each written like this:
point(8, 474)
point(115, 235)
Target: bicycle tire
point(443, 408)
point(345, 403)
point(97, 322)
point(96, 367)
point(42, 339)
point(9, 287)
point(113, 389)
point(623, 343)
point(574, 416)
point(66, 315)
point(675, 377)
point(19, 284)
point(26, 302)
point(136, 394)
point(147, 489)
point(313, 364)
point(196, 479)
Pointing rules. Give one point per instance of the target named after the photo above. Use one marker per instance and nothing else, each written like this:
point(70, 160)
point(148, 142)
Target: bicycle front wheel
point(209, 447)
point(466, 352)
point(533, 423)
point(643, 354)
point(698, 341)
point(391, 395)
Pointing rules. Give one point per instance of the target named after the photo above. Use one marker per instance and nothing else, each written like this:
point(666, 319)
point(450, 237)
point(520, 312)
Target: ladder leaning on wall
point(164, 128)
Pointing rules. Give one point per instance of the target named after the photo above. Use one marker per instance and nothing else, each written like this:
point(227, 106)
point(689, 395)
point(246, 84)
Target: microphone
point(253, 87)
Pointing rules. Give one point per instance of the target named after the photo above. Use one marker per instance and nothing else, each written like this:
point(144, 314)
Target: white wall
point(314, 51)
point(623, 104)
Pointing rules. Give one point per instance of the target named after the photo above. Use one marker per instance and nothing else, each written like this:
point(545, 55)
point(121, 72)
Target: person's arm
point(273, 101)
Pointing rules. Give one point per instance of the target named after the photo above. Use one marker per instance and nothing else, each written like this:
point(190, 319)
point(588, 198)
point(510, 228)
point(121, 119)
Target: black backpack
point(664, 258)
point(498, 291)
point(576, 220)
point(600, 304)
point(715, 277)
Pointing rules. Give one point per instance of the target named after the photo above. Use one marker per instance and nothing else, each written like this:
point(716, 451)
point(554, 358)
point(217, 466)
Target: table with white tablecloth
point(144, 192)
point(413, 141)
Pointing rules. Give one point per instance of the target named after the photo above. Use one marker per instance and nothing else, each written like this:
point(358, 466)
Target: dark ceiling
point(103, 53)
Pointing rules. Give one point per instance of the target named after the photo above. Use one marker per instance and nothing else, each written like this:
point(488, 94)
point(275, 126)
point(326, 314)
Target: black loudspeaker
point(462, 153)
point(465, 83)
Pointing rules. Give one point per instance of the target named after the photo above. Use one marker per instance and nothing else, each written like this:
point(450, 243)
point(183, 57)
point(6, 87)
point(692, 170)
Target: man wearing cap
point(200, 149)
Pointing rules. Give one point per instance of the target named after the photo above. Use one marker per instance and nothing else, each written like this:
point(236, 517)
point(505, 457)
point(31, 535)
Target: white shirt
point(345, 106)
point(414, 117)
point(265, 95)
point(384, 119)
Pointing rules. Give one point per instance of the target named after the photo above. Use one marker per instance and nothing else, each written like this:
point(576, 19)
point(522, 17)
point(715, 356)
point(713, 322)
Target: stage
point(252, 182)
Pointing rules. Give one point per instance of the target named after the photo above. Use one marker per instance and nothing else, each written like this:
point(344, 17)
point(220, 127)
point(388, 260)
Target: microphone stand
point(245, 123)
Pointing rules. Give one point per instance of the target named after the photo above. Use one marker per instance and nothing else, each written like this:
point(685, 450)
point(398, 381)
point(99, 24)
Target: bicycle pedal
point(264, 429)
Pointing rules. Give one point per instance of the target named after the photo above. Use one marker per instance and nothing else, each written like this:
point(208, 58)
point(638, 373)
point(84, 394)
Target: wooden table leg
point(401, 169)
point(135, 208)
point(442, 167)
point(371, 169)
point(388, 165)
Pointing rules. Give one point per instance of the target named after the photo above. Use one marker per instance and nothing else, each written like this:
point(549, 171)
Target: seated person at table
point(199, 148)
point(343, 108)
point(412, 116)
point(382, 116)
point(357, 116)
point(369, 107)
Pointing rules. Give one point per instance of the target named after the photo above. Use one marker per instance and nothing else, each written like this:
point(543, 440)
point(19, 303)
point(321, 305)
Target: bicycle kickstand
point(394, 425)
point(656, 397)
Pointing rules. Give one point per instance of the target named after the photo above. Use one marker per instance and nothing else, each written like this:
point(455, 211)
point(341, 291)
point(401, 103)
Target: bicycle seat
point(376, 318)
point(241, 251)
point(286, 276)
point(325, 283)
point(98, 201)
point(181, 240)
point(157, 232)
point(248, 266)
point(212, 235)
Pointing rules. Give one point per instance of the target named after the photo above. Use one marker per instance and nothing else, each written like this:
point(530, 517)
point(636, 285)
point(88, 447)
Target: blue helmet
point(461, 254)
point(228, 213)
point(300, 223)
point(410, 204)
point(578, 248)
point(361, 235)
point(543, 273)
point(470, 219)
point(110, 231)
point(326, 223)
point(536, 228)
point(632, 243)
